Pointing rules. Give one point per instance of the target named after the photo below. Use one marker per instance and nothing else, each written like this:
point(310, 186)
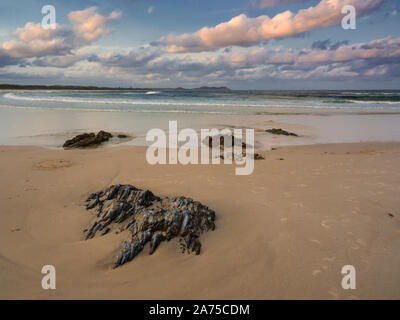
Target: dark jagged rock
point(79, 139)
point(148, 218)
point(87, 140)
point(281, 132)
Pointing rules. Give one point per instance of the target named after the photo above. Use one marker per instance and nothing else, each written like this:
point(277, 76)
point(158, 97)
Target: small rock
point(87, 140)
point(281, 132)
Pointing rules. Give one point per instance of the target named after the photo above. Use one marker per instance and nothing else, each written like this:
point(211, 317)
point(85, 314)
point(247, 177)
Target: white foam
point(230, 104)
point(153, 92)
point(115, 110)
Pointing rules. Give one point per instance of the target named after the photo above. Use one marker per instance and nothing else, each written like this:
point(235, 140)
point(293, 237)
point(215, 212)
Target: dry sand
point(284, 232)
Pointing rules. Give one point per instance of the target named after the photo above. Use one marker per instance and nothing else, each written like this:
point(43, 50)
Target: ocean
point(211, 102)
point(48, 117)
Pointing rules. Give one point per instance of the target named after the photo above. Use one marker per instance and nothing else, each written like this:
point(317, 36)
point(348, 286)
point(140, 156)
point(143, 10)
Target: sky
point(247, 44)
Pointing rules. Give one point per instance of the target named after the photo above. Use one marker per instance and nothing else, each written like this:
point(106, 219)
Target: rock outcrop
point(87, 140)
point(149, 219)
point(281, 132)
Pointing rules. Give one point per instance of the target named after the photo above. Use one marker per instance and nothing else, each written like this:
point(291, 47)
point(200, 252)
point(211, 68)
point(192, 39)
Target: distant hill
point(59, 87)
point(213, 88)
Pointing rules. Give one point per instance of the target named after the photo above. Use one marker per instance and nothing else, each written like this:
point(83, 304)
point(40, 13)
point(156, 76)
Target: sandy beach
point(285, 232)
point(117, 176)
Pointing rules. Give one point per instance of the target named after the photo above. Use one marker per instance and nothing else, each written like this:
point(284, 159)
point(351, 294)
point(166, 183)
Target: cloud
point(89, 25)
point(377, 71)
point(33, 31)
point(151, 9)
point(132, 59)
point(6, 60)
point(36, 48)
point(65, 61)
point(34, 41)
point(386, 48)
point(245, 31)
point(68, 46)
point(364, 60)
point(328, 45)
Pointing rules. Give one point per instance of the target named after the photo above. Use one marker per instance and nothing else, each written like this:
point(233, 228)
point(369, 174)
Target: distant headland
point(62, 87)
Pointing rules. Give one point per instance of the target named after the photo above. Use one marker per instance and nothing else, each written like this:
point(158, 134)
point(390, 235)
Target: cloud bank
point(376, 58)
point(245, 31)
point(192, 58)
point(32, 40)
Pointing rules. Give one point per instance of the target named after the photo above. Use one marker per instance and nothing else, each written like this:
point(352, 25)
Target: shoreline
point(24, 127)
point(282, 233)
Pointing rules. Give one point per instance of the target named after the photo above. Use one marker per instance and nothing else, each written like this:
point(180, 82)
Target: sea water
point(49, 117)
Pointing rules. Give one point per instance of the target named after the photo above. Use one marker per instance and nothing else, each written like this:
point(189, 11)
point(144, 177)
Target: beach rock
point(258, 156)
point(87, 140)
point(148, 219)
point(281, 132)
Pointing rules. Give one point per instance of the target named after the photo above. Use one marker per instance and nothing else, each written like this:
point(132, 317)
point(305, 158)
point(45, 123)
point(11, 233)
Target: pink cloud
point(245, 31)
point(34, 48)
point(34, 41)
point(90, 25)
point(32, 31)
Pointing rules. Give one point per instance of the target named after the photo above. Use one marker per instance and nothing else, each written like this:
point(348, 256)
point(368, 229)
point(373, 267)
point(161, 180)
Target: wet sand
point(284, 232)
